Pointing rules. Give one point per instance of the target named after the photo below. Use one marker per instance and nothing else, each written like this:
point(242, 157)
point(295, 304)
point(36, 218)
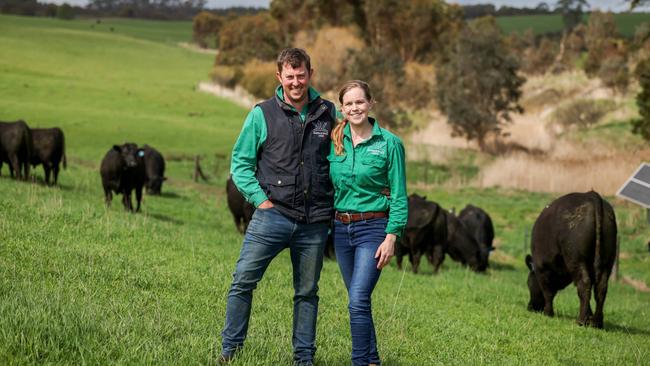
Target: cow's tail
point(65, 160)
point(599, 213)
point(29, 149)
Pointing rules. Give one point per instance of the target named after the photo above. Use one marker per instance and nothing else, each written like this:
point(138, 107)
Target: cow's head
point(536, 302)
point(131, 155)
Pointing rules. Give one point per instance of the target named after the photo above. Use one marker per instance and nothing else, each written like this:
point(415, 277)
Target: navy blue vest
point(292, 166)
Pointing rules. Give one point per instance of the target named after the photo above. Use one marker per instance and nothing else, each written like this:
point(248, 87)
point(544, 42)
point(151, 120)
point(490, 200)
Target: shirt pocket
point(339, 170)
point(372, 172)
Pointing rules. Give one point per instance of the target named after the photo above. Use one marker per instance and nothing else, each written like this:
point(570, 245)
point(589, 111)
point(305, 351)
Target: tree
point(205, 25)
point(642, 125)
point(414, 30)
point(571, 12)
point(251, 36)
point(479, 87)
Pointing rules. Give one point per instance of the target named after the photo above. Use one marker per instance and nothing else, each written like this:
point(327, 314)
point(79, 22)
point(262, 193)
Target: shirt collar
point(311, 94)
point(376, 130)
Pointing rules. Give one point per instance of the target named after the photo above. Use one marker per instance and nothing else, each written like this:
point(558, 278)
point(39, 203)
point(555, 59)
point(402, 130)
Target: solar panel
point(637, 187)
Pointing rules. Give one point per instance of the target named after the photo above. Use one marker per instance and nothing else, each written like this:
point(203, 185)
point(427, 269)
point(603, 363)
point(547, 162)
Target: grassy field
point(540, 24)
point(82, 284)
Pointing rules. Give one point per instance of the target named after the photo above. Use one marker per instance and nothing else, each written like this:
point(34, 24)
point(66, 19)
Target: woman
point(367, 169)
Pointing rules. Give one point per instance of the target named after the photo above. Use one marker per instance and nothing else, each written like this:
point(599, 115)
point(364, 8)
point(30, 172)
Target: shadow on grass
point(165, 218)
point(607, 327)
point(168, 194)
point(498, 266)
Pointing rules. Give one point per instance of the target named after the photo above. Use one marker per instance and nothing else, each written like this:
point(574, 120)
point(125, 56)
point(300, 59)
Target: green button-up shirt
point(361, 173)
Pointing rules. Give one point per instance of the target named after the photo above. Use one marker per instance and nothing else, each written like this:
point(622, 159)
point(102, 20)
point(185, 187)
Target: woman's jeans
point(356, 244)
point(269, 232)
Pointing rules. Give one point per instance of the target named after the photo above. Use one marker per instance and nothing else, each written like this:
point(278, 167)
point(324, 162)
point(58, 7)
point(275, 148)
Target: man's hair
point(294, 57)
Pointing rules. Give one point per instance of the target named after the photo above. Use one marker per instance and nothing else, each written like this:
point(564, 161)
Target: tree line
point(144, 9)
point(420, 55)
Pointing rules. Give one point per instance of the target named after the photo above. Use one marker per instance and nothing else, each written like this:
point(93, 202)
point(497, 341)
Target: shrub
point(583, 112)
point(248, 37)
point(259, 78)
point(642, 125)
point(613, 73)
point(419, 88)
point(205, 27)
point(228, 76)
point(329, 50)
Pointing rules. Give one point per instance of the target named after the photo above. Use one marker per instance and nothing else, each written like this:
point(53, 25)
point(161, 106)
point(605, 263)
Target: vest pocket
point(281, 188)
point(322, 191)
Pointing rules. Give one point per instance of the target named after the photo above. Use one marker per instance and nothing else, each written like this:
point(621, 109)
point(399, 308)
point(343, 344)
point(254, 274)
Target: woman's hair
point(337, 132)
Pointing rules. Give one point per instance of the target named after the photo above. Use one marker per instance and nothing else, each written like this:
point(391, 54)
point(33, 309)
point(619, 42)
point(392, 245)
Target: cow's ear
point(117, 148)
point(529, 262)
point(164, 178)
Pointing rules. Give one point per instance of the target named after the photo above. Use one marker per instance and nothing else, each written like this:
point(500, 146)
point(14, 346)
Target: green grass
point(82, 284)
point(541, 24)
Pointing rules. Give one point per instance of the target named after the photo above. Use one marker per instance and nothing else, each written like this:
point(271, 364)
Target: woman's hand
point(386, 251)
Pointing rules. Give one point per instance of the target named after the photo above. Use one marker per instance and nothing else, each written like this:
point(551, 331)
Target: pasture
point(82, 284)
point(541, 24)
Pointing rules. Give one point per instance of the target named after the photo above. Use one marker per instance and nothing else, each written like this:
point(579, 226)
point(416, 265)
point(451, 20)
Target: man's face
point(295, 82)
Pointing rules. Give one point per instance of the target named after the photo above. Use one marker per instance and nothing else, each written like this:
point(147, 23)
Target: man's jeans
point(269, 232)
point(356, 244)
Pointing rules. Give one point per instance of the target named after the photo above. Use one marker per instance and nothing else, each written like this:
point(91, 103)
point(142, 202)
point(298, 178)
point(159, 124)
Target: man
point(279, 163)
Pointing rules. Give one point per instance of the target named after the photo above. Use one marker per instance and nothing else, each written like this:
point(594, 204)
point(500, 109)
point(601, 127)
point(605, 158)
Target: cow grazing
point(479, 224)
point(16, 147)
point(242, 210)
point(463, 247)
point(573, 240)
point(49, 150)
point(154, 164)
point(425, 233)
point(122, 170)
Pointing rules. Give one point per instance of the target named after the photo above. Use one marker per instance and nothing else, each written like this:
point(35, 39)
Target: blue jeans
point(355, 245)
point(269, 232)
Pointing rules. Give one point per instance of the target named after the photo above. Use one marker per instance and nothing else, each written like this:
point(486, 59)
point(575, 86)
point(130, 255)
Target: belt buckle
point(346, 214)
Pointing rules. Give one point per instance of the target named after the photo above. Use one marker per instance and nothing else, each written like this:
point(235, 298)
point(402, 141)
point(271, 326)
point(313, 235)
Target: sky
point(613, 5)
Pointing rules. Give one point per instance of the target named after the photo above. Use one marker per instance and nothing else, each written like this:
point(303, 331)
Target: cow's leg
point(545, 283)
point(600, 292)
point(583, 283)
point(47, 169)
point(26, 167)
point(108, 196)
point(416, 261)
point(56, 173)
point(438, 257)
point(126, 200)
point(138, 197)
point(399, 254)
point(14, 163)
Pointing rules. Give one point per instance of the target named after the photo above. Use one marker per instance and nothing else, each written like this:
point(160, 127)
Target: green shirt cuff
point(257, 198)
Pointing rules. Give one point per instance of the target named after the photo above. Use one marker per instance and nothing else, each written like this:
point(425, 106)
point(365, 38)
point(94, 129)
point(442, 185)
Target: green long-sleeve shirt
point(361, 173)
point(243, 163)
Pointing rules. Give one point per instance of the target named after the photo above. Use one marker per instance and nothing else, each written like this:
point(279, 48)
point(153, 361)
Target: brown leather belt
point(347, 218)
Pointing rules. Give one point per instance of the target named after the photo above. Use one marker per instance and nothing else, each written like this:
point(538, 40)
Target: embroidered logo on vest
point(320, 129)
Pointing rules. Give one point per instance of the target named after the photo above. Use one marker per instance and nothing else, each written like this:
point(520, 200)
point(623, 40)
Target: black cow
point(154, 164)
point(463, 247)
point(242, 210)
point(122, 170)
point(425, 233)
point(16, 147)
point(573, 240)
point(49, 150)
point(479, 224)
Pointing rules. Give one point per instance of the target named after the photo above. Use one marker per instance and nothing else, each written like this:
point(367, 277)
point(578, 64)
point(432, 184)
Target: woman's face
point(355, 106)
